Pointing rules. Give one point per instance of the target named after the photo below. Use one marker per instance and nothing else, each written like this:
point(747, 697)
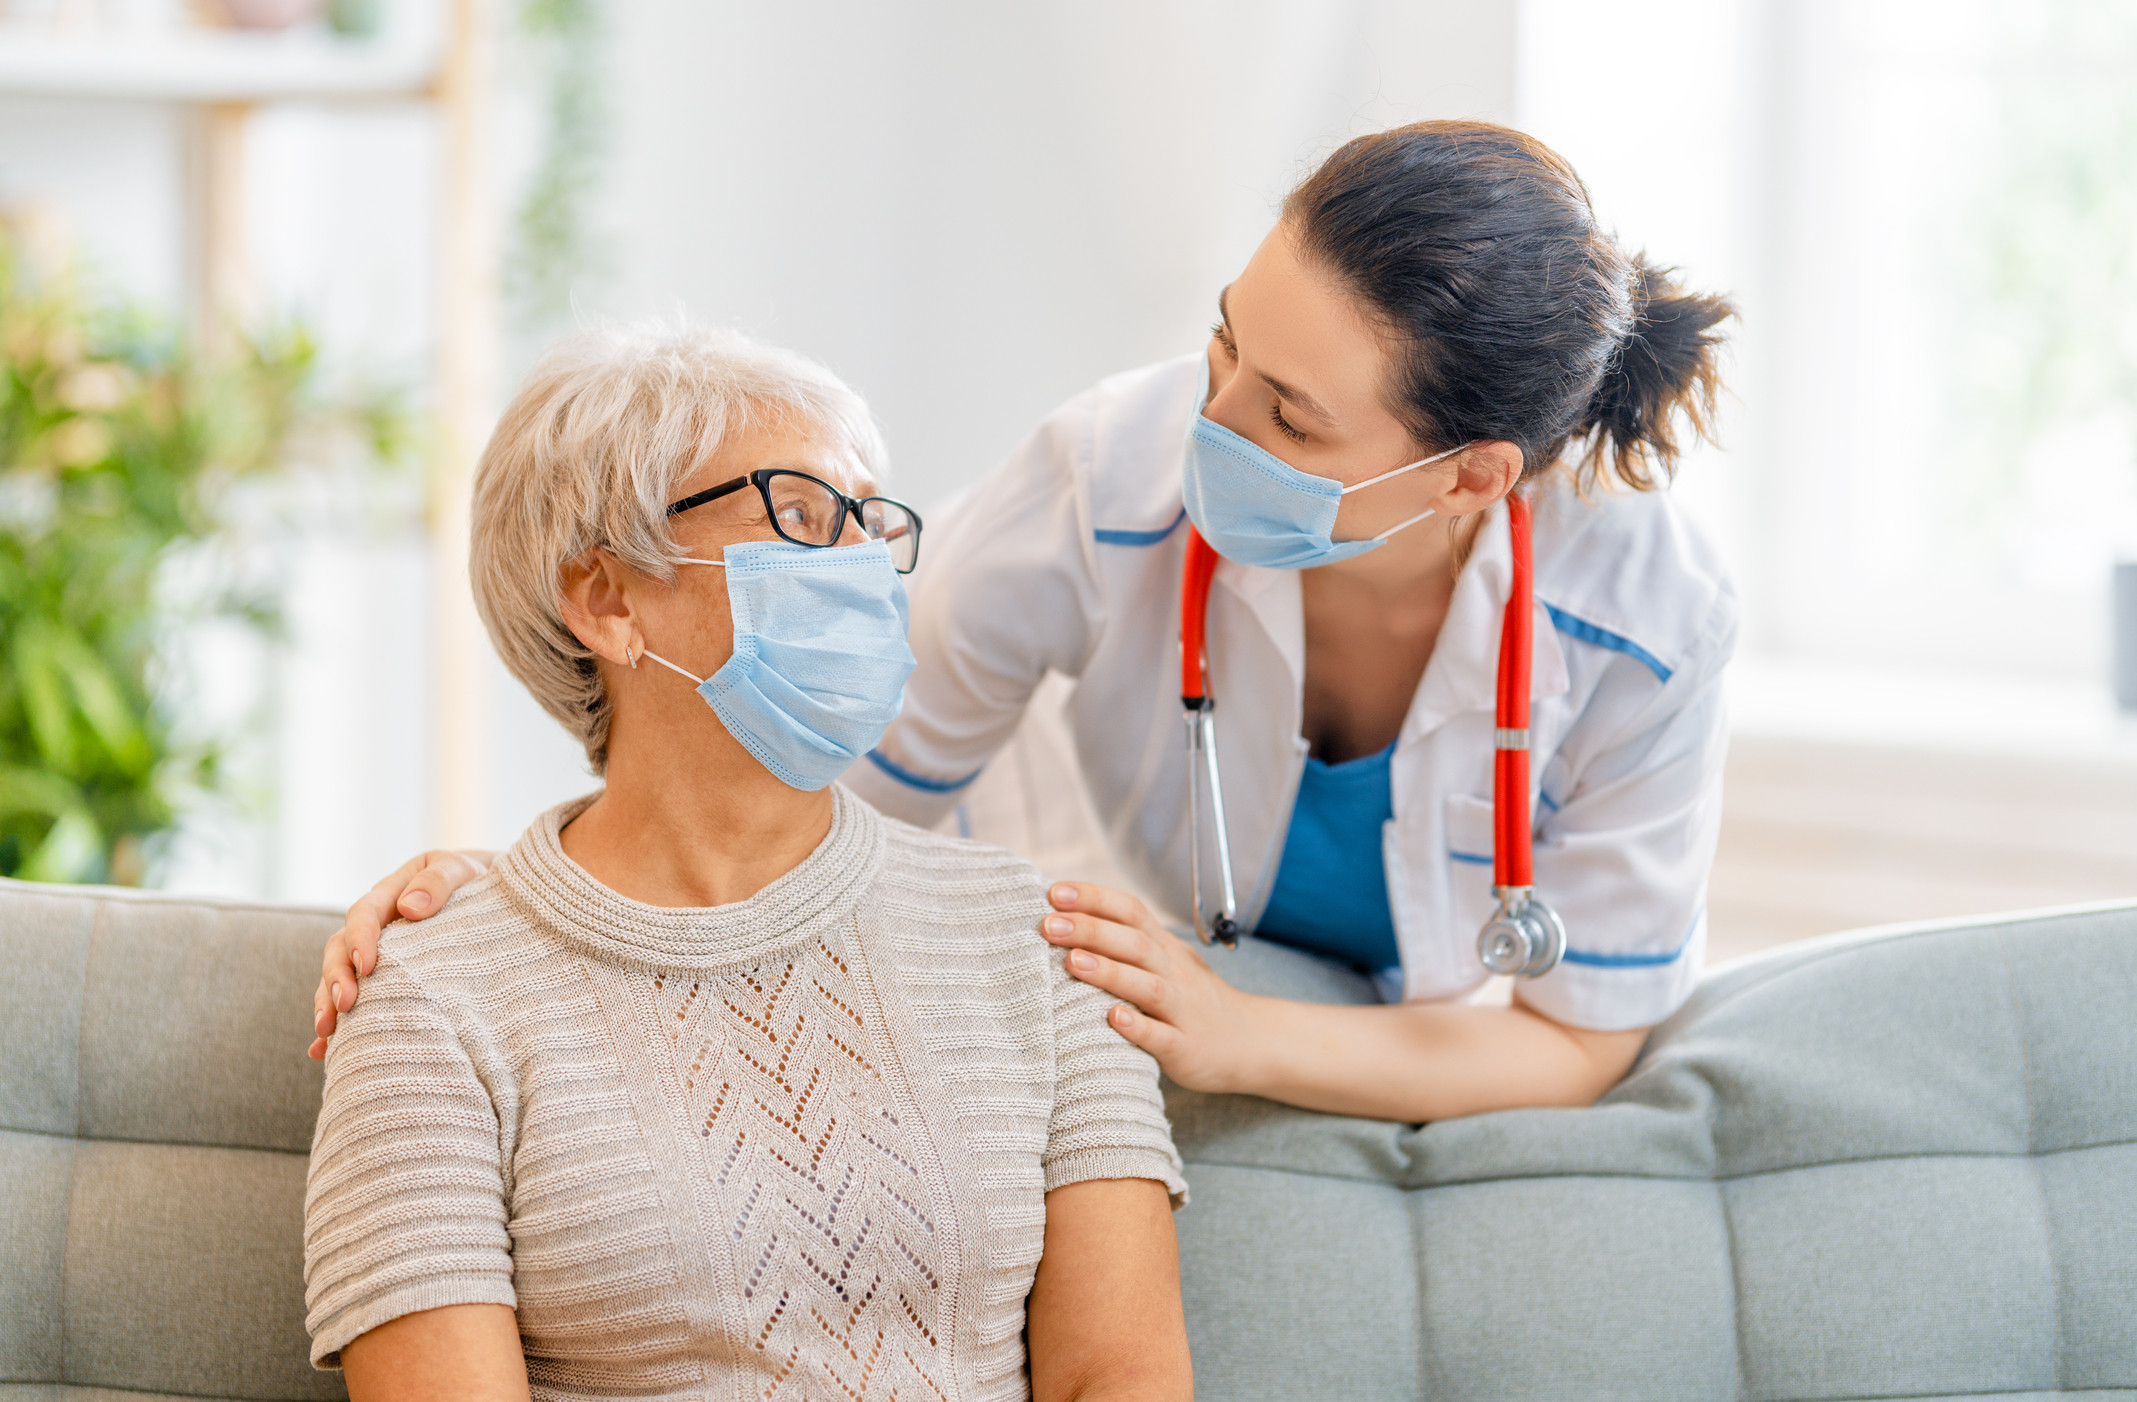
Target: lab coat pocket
point(1469, 858)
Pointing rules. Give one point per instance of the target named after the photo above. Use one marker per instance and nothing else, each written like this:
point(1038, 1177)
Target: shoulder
point(1633, 573)
point(954, 880)
point(479, 928)
point(462, 968)
point(1121, 440)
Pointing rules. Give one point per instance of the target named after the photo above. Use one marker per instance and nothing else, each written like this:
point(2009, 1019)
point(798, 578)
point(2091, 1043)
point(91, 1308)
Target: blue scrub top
point(1331, 894)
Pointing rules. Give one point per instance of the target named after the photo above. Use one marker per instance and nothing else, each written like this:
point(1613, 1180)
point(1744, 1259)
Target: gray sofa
point(1901, 1164)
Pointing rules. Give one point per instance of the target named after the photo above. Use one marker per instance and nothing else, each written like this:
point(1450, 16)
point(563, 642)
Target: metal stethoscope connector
point(1203, 770)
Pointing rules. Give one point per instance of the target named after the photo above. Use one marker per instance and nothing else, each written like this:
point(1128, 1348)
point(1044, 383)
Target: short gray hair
point(590, 452)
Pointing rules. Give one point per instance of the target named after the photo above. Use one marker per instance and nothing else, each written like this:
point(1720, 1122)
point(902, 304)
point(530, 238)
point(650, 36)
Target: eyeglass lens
point(808, 512)
point(890, 522)
point(804, 510)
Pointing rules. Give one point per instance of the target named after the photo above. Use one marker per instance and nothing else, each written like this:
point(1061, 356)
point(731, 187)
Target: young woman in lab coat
point(1437, 320)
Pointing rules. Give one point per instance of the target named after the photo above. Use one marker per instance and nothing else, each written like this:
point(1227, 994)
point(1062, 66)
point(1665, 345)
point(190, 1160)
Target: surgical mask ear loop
point(1399, 471)
point(1372, 481)
point(656, 657)
point(648, 652)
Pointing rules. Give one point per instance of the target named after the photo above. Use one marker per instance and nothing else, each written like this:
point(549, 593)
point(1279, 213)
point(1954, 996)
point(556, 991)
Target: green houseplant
point(118, 448)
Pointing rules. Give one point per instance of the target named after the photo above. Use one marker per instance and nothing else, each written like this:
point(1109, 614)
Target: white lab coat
point(1067, 561)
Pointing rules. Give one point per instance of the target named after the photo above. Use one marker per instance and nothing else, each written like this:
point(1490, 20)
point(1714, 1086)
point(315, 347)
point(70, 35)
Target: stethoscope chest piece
point(1524, 937)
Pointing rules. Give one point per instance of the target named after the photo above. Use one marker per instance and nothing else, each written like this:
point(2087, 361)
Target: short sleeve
point(1626, 859)
point(404, 1206)
point(1109, 1117)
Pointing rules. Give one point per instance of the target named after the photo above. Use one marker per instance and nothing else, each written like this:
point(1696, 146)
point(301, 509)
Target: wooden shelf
point(212, 66)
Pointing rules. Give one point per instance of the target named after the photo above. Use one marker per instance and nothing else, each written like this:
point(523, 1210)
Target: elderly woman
point(719, 1083)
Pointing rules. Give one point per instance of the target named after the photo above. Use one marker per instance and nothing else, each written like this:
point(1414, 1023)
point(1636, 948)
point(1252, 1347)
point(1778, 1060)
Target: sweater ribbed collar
point(811, 901)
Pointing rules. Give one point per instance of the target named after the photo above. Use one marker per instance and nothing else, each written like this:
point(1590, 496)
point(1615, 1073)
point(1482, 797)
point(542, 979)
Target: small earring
point(628, 658)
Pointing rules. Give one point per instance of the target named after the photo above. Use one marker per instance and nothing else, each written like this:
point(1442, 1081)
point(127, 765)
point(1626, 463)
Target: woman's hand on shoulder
point(417, 890)
point(1200, 1028)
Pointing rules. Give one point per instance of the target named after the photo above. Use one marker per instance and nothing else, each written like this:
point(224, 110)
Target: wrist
point(1253, 1068)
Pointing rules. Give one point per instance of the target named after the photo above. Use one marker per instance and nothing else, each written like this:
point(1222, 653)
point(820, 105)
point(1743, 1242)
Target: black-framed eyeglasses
point(809, 511)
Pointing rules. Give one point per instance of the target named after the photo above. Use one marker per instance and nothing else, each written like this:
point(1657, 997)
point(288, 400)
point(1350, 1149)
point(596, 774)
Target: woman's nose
point(852, 534)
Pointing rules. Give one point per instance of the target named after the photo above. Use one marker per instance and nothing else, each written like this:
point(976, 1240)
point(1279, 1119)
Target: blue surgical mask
point(1257, 509)
point(820, 660)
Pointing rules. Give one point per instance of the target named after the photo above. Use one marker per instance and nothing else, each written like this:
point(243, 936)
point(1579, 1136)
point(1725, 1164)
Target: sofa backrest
point(1901, 1164)
point(156, 1108)
point(1895, 1164)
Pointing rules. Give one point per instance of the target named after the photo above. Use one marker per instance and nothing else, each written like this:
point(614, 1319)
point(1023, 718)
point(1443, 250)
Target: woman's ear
point(597, 607)
point(1483, 473)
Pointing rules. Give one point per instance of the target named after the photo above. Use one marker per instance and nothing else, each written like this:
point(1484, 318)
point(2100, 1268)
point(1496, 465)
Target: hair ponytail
point(1516, 317)
point(1667, 365)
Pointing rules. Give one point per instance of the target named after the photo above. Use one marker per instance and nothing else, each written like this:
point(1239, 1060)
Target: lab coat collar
point(1463, 674)
point(1275, 600)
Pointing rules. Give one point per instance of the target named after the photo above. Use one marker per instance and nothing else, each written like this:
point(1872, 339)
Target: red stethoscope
point(1524, 937)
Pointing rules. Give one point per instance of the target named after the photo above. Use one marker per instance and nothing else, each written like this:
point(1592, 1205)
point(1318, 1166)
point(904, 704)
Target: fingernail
point(338, 1003)
point(1081, 962)
point(1123, 1015)
point(418, 901)
point(1058, 926)
point(1063, 895)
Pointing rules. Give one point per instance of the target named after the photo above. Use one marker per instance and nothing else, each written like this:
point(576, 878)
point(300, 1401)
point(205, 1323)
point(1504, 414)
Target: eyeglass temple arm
point(677, 508)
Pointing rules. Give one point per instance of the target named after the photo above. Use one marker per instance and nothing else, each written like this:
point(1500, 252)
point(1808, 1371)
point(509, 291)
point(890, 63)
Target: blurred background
point(271, 266)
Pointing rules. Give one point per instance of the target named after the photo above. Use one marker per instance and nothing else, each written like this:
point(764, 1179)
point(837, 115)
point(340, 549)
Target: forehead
point(800, 447)
point(1300, 326)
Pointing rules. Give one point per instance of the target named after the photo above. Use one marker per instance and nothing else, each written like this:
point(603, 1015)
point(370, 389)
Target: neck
point(689, 818)
point(1415, 568)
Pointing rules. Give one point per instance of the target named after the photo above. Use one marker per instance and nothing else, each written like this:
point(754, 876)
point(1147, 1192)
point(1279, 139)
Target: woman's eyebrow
point(1283, 391)
point(1299, 397)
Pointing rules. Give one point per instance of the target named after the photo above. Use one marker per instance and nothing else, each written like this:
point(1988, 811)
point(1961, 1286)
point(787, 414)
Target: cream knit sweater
point(797, 1146)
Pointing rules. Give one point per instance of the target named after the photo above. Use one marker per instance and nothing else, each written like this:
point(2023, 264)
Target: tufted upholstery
point(1895, 1165)
point(1901, 1164)
point(156, 1107)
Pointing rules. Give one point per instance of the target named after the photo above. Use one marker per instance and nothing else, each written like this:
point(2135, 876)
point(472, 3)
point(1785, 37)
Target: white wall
point(973, 210)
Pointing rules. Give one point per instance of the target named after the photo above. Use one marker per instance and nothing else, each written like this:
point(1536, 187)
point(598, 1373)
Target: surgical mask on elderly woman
point(820, 660)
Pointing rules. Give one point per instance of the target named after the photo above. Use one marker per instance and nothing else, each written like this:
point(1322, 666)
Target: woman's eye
point(1276, 416)
point(1224, 338)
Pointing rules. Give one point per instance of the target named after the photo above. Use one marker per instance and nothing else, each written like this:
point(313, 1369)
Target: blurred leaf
point(44, 695)
point(36, 792)
point(72, 851)
point(103, 704)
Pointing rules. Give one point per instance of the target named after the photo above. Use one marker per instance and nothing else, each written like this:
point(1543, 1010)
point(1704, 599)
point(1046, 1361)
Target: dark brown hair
point(1517, 318)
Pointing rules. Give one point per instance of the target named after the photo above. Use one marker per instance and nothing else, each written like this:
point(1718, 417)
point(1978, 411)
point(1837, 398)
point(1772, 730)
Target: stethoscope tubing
point(1524, 936)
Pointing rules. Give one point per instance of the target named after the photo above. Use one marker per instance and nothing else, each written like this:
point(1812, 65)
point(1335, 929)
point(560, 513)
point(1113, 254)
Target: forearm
point(1425, 1061)
point(469, 1353)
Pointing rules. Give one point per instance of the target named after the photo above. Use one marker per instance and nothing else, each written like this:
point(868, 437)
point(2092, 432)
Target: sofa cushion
point(1900, 1164)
